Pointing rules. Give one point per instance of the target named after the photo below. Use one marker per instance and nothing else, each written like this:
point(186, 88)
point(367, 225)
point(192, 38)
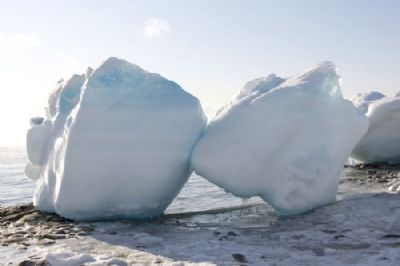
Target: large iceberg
point(285, 140)
point(382, 141)
point(116, 143)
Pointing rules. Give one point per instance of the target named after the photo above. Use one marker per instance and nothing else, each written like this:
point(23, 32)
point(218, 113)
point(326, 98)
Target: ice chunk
point(382, 141)
point(32, 171)
point(120, 146)
point(286, 144)
point(68, 258)
point(35, 141)
point(362, 100)
point(45, 138)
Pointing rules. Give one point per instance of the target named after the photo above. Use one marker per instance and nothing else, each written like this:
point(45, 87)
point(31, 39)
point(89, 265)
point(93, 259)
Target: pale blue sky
point(211, 48)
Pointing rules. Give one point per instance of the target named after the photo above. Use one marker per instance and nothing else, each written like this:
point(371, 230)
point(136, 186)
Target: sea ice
point(285, 141)
point(116, 143)
point(362, 100)
point(382, 141)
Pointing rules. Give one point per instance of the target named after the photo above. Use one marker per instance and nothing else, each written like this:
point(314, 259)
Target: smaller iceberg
point(285, 140)
point(382, 141)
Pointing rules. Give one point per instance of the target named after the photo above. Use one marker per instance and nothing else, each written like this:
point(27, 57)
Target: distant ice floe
point(382, 141)
point(116, 143)
point(285, 140)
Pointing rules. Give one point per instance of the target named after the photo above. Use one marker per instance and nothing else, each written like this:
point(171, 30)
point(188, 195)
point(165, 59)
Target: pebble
point(54, 236)
point(46, 242)
point(337, 237)
point(86, 228)
point(240, 257)
point(328, 231)
point(231, 233)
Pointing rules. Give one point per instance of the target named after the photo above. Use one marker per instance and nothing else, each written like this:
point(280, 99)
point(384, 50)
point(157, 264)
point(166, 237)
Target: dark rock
point(231, 233)
point(328, 231)
point(383, 181)
point(354, 246)
point(16, 216)
point(54, 218)
point(391, 236)
point(337, 237)
point(34, 216)
point(14, 239)
point(240, 257)
point(54, 236)
point(34, 263)
point(60, 232)
point(27, 263)
point(298, 236)
point(86, 228)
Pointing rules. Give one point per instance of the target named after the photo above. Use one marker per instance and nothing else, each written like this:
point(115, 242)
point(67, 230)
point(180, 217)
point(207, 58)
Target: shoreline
point(360, 229)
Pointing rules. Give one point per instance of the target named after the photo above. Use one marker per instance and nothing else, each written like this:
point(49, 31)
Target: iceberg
point(362, 100)
point(382, 141)
point(284, 140)
point(115, 144)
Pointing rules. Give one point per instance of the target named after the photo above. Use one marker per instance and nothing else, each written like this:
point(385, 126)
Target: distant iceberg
point(382, 141)
point(285, 140)
point(116, 143)
point(362, 100)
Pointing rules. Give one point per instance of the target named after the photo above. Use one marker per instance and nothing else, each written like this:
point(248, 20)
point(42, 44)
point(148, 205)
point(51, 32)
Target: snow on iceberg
point(285, 141)
point(116, 143)
point(382, 141)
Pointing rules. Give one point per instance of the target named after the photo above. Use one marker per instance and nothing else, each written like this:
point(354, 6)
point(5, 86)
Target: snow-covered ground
point(362, 228)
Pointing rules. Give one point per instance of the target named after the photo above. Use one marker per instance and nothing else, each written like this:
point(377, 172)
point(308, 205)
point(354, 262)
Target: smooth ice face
point(382, 141)
point(287, 144)
point(120, 144)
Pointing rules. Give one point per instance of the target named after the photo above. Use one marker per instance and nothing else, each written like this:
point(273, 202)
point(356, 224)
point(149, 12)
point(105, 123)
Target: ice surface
point(286, 144)
point(362, 100)
point(119, 145)
point(382, 141)
point(260, 85)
